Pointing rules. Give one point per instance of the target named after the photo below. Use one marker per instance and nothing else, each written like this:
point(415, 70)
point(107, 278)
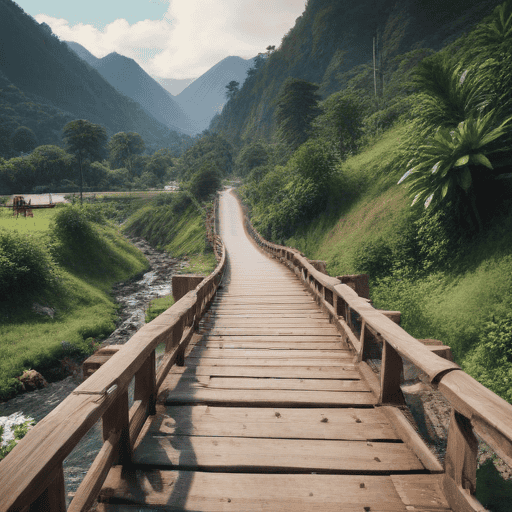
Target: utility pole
point(374, 69)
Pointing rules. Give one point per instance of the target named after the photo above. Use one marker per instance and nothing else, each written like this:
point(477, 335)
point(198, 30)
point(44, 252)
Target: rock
point(43, 310)
point(32, 380)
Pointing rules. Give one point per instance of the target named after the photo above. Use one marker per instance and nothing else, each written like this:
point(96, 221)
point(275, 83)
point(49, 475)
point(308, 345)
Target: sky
point(177, 39)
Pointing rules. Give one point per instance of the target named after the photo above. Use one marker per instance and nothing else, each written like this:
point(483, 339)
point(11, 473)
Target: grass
point(158, 306)
point(84, 310)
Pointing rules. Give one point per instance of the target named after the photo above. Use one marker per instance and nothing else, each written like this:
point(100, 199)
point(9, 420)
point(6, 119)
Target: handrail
point(32, 474)
point(476, 409)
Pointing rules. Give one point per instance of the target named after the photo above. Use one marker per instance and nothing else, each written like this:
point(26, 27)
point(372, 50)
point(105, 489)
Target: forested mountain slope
point(37, 63)
point(332, 43)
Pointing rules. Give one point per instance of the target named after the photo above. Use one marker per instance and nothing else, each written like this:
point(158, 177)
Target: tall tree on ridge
point(85, 140)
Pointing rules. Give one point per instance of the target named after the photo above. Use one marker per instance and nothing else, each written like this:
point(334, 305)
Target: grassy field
point(85, 268)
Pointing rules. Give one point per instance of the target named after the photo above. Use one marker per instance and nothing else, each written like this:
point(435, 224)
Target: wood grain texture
point(221, 492)
point(272, 422)
point(236, 454)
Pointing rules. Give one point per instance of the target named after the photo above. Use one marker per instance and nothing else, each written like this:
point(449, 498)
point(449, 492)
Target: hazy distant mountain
point(174, 85)
point(206, 95)
point(34, 60)
point(83, 53)
point(130, 79)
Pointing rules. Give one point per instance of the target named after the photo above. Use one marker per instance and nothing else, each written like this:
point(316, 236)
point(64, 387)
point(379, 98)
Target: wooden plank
point(201, 420)
point(275, 331)
point(177, 381)
point(411, 438)
point(422, 492)
point(251, 344)
point(268, 322)
point(290, 314)
point(347, 371)
point(267, 398)
point(335, 355)
point(274, 455)
point(276, 338)
point(221, 492)
point(245, 361)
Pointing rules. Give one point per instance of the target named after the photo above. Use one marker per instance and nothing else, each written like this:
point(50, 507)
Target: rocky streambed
point(134, 298)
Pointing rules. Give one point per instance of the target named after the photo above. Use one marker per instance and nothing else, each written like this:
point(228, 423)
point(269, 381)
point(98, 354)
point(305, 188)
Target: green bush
point(72, 224)
point(26, 266)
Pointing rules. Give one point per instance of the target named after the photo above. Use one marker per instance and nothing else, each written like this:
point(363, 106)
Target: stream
point(134, 298)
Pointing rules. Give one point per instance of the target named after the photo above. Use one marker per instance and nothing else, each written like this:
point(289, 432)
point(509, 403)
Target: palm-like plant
point(447, 161)
point(462, 116)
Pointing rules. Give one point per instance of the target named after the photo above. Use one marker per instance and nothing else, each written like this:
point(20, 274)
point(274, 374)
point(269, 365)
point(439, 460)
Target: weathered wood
point(268, 398)
point(370, 377)
point(423, 492)
point(411, 438)
point(460, 462)
point(341, 424)
point(183, 382)
point(116, 420)
point(93, 480)
point(145, 384)
point(243, 361)
point(317, 338)
point(390, 377)
point(282, 345)
point(491, 415)
point(332, 355)
point(274, 455)
point(183, 283)
point(347, 371)
point(220, 492)
point(53, 498)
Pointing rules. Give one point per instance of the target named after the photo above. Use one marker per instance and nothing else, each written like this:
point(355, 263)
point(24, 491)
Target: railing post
point(115, 420)
point(459, 480)
point(53, 498)
point(145, 384)
point(390, 372)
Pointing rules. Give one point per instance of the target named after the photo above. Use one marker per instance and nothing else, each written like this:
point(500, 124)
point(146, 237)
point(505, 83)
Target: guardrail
point(475, 409)
point(31, 476)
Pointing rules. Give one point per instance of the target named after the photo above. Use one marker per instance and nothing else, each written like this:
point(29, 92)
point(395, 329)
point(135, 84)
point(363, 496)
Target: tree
point(124, 147)
point(23, 140)
point(51, 164)
point(251, 156)
point(5, 142)
point(341, 122)
point(205, 182)
point(85, 140)
point(232, 89)
point(297, 106)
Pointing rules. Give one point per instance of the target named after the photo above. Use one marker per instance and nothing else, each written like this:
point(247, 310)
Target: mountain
point(332, 44)
point(206, 96)
point(131, 80)
point(83, 53)
point(174, 85)
point(37, 63)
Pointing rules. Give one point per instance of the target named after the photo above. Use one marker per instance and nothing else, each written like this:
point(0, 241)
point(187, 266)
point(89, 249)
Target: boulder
point(32, 380)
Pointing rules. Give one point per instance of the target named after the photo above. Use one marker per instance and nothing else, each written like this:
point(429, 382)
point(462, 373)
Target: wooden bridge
point(263, 401)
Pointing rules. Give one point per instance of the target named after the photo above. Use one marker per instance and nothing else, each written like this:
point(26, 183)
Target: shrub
point(26, 266)
point(72, 225)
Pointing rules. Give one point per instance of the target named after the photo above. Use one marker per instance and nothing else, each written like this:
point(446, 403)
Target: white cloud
point(193, 35)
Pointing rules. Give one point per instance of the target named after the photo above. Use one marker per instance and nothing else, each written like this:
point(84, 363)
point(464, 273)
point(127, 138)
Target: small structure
point(21, 206)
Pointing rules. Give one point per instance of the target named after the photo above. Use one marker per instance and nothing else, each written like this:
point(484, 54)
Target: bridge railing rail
point(32, 477)
point(475, 409)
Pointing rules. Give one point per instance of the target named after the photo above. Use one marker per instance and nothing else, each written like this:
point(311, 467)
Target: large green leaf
point(481, 159)
point(465, 179)
point(463, 160)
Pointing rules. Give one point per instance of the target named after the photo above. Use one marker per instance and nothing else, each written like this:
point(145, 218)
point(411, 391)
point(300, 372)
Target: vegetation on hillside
point(65, 260)
point(437, 134)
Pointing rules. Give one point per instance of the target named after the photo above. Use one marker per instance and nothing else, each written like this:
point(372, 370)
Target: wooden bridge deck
point(271, 413)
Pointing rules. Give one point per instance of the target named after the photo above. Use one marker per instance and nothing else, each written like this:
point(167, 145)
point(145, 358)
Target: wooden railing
point(475, 409)
point(31, 476)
